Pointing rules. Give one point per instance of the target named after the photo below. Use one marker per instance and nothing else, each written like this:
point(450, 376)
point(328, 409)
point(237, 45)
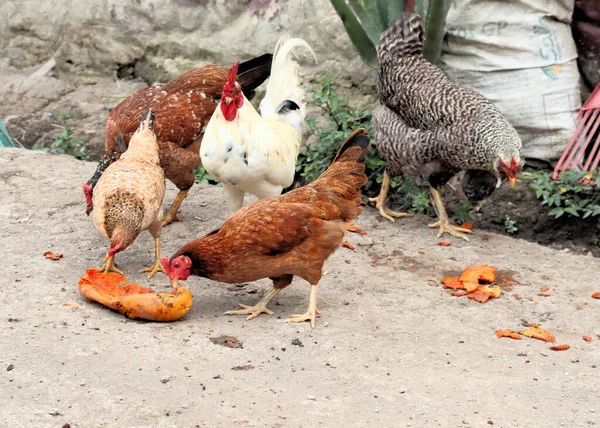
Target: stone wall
point(158, 39)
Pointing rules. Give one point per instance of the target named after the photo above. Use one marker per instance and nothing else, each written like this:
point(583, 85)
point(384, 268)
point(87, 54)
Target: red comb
point(230, 84)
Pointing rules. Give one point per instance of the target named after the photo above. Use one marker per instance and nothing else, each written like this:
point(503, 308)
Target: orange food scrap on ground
point(453, 283)
point(348, 245)
point(113, 291)
point(356, 229)
point(508, 333)
point(444, 243)
point(421, 252)
point(560, 347)
point(483, 273)
point(537, 333)
point(51, 256)
point(482, 293)
point(596, 295)
point(459, 293)
point(587, 338)
point(544, 294)
point(469, 280)
point(544, 288)
point(467, 225)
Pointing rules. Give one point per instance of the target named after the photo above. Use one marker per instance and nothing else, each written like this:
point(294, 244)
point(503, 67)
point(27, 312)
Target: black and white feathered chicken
point(429, 126)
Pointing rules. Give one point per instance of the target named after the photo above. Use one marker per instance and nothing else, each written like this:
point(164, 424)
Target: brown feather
point(291, 234)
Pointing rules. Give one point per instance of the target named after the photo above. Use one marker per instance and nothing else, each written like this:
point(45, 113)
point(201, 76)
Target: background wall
point(158, 39)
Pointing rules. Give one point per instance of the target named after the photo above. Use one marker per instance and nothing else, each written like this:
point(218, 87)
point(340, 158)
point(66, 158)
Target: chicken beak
point(175, 281)
point(512, 181)
point(228, 100)
point(88, 209)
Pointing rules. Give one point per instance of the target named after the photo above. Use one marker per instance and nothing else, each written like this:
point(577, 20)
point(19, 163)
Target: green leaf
point(372, 26)
point(572, 210)
point(358, 35)
point(434, 29)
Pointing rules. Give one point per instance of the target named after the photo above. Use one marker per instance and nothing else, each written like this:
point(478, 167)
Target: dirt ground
point(391, 348)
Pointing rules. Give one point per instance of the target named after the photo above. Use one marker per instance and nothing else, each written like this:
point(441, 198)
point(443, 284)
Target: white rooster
point(252, 152)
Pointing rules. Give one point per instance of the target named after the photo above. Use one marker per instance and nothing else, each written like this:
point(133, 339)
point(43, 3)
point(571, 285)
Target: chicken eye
point(176, 264)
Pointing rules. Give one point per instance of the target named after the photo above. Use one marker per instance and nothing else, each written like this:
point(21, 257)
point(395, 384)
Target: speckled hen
point(430, 126)
point(183, 108)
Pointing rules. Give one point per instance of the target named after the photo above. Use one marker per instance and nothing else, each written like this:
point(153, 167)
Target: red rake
point(576, 155)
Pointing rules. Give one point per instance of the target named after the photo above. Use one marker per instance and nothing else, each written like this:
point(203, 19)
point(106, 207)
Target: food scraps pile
point(472, 280)
point(113, 291)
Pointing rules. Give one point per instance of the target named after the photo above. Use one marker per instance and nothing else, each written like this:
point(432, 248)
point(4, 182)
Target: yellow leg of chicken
point(312, 311)
point(157, 266)
point(171, 214)
point(443, 221)
point(261, 307)
point(380, 201)
point(110, 265)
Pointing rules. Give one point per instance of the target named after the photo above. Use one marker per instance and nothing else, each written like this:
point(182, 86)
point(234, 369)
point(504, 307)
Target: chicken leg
point(261, 307)
point(380, 201)
point(443, 221)
point(171, 214)
point(157, 266)
point(312, 311)
point(110, 265)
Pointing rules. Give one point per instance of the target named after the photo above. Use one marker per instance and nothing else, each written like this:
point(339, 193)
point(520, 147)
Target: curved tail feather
point(284, 83)
point(346, 175)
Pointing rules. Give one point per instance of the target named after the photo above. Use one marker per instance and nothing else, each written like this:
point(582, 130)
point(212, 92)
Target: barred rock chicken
point(282, 236)
point(183, 107)
point(430, 126)
point(255, 153)
point(129, 195)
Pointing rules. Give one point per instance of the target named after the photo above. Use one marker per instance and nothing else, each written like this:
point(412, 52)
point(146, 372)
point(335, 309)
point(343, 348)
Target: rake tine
point(587, 142)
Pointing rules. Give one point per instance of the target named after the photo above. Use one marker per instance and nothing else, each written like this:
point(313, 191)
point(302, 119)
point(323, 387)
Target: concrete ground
point(392, 348)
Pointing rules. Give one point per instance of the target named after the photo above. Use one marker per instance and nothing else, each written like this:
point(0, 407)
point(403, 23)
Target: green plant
point(203, 177)
point(64, 144)
point(339, 120)
point(463, 213)
point(574, 193)
point(510, 225)
point(365, 20)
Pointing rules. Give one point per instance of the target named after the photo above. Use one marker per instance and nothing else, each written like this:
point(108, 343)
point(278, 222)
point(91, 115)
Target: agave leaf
point(434, 29)
point(356, 32)
point(389, 11)
point(371, 26)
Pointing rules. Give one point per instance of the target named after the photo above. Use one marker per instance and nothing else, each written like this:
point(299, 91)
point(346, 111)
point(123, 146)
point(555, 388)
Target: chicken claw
point(110, 266)
point(380, 201)
point(157, 266)
point(447, 227)
point(251, 311)
point(170, 218)
point(444, 222)
point(171, 215)
point(307, 316)
point(312, 311)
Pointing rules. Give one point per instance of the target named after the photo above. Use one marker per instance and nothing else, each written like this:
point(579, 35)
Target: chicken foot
point(261, 307)
point(157, 266)
point(380, 201)
point(443, 221)
point(312, 311)
point(171, 215)
point(110, 265)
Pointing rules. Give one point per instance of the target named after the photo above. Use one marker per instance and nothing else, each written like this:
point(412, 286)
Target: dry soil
point(391, 348)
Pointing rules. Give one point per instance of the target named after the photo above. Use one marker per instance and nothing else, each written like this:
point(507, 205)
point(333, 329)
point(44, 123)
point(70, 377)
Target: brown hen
point(183, 107)
point(282, 236)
